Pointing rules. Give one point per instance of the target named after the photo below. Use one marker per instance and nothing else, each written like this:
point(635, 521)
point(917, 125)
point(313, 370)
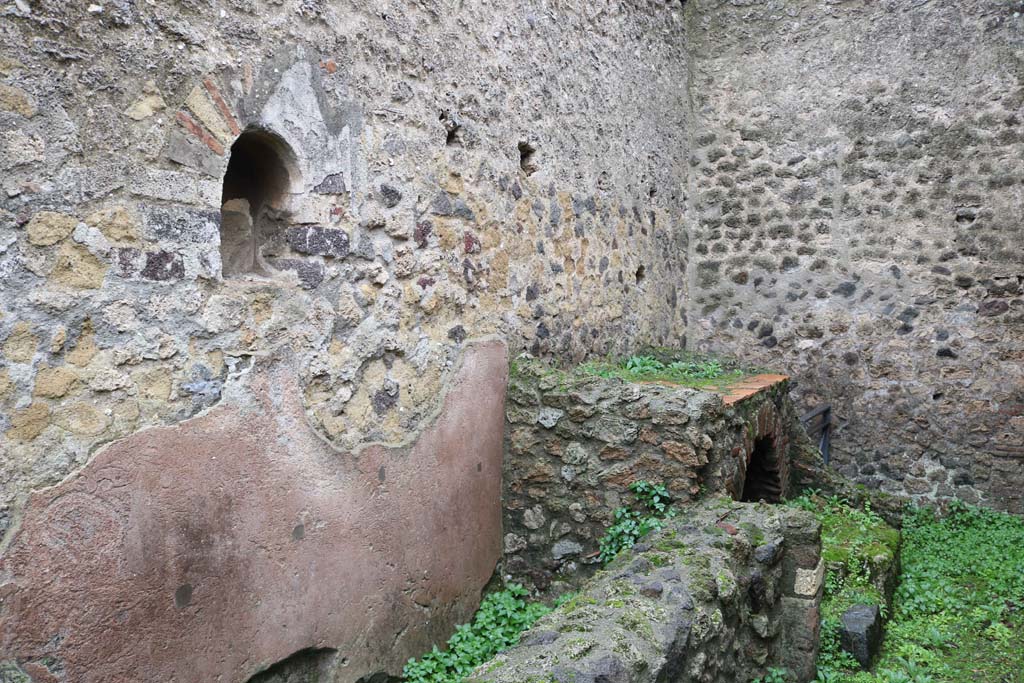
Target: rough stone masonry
point(856, 217)
point(721, 595)
point(422, 176)
point(830, 189)
point(575, 442)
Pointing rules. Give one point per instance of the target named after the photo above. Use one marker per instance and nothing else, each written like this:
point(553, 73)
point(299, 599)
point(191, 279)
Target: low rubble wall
point(723, 593)
point(574, 443)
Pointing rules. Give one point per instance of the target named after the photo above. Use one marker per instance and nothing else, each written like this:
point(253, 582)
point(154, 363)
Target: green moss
point(754, 533)
point(700, 564)
point(576, 603)
point(580, 619)
point(659, 559)
point(725, 583)
point(667, 545)
point(958, 614)
point(637, 622)
point(576, 648)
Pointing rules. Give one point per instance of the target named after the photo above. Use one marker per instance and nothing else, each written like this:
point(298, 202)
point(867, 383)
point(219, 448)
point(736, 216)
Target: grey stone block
point(861, 632)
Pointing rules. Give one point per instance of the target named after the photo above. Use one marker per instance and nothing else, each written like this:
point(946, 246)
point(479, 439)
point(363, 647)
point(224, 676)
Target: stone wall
point(720, 595)
point(453, 170)
point(857, 221)
point(575, 442)
point(436, 173)
point(783, 180)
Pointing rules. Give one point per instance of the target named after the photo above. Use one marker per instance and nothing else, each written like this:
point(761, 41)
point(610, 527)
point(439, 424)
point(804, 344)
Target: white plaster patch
point(548, 417)
point(808, 581)
point(293, 111)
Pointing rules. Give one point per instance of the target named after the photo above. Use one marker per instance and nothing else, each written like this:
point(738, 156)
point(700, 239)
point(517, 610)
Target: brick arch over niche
point(285, 96)
point(763, 457)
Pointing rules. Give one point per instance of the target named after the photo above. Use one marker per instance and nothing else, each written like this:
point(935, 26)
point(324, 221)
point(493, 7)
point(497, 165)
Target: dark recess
point(256, 172)
point(305, 666)
point(527, 150)
point(763, 481)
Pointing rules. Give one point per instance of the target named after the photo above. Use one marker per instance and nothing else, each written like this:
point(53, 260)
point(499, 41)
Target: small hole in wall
point(640, 274)
point(527, 161)
point(937, 396)
point(256, 183)
point(452, 128)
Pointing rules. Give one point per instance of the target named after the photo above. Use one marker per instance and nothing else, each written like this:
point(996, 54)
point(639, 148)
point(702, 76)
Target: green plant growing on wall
point(496, 626)
point(774, 675)
point(630, 525)
point(687, 371)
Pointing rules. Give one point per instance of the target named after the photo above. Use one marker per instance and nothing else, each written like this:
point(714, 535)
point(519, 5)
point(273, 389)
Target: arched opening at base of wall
point(763, 480)
point(256, 184)
point(310, 665)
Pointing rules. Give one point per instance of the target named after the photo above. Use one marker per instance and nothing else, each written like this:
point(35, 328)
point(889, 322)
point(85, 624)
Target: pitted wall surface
point(456, 169)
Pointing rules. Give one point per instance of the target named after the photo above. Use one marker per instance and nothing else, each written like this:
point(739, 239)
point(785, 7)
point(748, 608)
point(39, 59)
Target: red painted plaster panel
point(211, 549)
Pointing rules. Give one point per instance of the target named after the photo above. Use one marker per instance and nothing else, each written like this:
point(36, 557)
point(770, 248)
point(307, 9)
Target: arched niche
point(254, 202)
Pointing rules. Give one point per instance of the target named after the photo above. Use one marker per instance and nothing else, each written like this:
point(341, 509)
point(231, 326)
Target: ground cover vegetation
point(957, 614)
point(502, 617)
point(671, 367)
point(505, 614)
point(653, 505)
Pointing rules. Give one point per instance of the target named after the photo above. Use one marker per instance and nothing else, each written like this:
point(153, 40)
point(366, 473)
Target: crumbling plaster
point(404, 125)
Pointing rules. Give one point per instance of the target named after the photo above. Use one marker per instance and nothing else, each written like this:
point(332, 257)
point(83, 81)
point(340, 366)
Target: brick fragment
point(190, 124)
